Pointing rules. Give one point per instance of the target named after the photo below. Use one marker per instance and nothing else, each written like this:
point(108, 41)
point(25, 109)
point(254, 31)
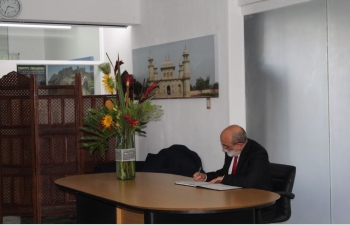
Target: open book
point(218, 187)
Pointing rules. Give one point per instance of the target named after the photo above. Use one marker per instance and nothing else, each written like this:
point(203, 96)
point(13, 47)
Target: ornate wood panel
point(58, 153)
point(39, 143)
point(17, 149)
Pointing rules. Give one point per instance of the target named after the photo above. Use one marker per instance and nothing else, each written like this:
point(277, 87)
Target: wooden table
point(154, 198)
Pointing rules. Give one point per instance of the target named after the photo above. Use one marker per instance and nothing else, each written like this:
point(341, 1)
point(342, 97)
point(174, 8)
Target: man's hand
point(216, 180)
point(199, 177)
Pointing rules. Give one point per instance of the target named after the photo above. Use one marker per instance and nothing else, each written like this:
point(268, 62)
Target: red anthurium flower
point(134, 122)
point(100, 126)
point(128, 80)
point(149, 89)
point(117, 65)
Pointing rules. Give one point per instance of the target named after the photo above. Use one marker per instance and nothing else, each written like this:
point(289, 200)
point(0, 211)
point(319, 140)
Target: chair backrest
point(177, 159)
point(282, 177)
point(282, 182)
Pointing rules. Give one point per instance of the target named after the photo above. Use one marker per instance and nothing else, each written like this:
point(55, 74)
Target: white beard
point(231, 153)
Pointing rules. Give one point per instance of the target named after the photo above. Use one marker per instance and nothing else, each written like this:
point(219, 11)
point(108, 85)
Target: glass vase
point(125, 158)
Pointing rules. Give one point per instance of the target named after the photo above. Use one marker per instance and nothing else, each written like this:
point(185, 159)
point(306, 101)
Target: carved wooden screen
point(58, 154)
point(17, 185)
point(39, 143)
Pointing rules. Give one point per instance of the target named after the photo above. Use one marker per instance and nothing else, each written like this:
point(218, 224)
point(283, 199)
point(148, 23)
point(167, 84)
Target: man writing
point(246, 164)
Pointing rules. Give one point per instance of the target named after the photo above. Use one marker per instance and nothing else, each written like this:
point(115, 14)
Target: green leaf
point(91, 131)
point(89, 138)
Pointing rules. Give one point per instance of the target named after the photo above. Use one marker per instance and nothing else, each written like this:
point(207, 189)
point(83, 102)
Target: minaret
point(181, 70)
point(186, 73)
point(155, 78)
point(155, 69)
point(181, 74)
point(150, 67)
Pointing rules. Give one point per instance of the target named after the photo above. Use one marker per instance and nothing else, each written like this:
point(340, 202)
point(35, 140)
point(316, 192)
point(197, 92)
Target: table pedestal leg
point(129, 216)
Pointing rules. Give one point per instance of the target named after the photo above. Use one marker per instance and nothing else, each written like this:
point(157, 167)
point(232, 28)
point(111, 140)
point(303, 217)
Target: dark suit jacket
point(253, 169)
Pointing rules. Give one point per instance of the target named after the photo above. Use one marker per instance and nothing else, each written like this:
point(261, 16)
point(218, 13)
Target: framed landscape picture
point(185, 69)
point(65, 75)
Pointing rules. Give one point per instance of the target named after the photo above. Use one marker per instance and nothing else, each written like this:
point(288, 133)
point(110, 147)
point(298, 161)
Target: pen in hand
point(197, 176)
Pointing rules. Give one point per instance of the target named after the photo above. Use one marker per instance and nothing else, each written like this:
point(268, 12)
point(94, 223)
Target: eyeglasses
point(230, 146)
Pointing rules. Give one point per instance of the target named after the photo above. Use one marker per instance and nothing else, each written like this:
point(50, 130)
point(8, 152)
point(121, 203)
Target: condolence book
point(218, 187)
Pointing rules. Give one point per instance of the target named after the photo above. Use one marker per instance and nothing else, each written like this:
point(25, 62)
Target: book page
point(191, 183)
point(219, 187)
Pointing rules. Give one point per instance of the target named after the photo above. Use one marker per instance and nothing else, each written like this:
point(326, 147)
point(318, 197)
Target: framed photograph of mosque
point(187, 68)
point(65, 75)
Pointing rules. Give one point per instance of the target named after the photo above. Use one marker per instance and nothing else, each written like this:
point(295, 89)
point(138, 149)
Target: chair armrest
point(285, 194)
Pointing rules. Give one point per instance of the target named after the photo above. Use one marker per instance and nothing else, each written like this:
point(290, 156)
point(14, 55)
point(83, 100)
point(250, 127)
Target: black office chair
point(282, 182)
point(177, 159)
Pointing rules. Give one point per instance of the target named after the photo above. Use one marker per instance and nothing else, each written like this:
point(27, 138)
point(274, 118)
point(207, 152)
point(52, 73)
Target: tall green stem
point(126, 168)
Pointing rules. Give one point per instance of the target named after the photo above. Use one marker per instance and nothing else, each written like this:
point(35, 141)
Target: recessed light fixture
point(28, 25)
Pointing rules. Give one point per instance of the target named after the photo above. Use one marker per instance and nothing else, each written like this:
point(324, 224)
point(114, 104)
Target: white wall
point(236, 76)
point(339, 108)
point(118, 42)
point(255, 6)
point(104, 12)
point(306, 91)
point(287, 99)
point(188, 121)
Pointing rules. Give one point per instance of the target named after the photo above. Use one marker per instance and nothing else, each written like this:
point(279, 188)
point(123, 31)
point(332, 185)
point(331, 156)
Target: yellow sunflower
point(107, 121)
point(108, 83)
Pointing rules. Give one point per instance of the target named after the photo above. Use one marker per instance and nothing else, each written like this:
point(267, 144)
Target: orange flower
point(109, 104)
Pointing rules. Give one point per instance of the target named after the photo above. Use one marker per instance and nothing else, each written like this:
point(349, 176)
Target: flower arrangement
point(120, 116)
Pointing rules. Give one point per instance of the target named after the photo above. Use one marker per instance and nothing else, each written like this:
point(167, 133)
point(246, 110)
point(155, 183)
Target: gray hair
point(239, 137)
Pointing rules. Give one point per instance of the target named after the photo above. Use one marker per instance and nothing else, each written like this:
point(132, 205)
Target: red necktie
point(234, 166)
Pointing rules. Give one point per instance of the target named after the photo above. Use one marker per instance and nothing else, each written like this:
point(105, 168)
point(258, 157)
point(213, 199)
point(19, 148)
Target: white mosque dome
point(167, 63)
point(186, 52)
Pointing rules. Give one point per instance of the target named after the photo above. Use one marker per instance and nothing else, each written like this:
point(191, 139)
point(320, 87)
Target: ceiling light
point(34, 25)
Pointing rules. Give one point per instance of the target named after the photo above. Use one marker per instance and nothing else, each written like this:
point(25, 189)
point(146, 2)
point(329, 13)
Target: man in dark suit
point(246, 164)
